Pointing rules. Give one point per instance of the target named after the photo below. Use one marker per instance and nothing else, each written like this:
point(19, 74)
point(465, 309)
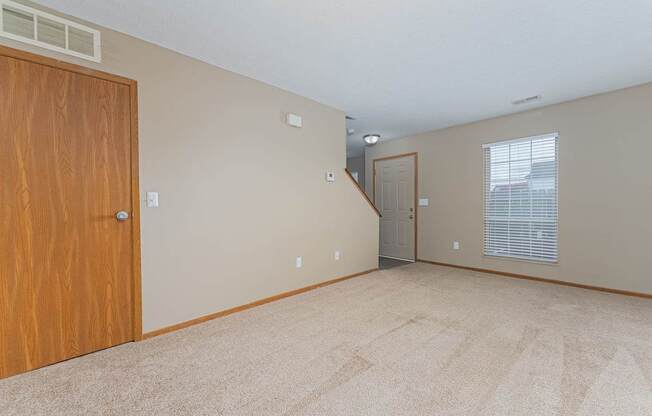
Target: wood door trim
point(395, 156)
point(135, 189)
point(135, 215)
point(416, 191)
point(55, 63)
point(542, 280)
point(241, 308)
point(362, 192)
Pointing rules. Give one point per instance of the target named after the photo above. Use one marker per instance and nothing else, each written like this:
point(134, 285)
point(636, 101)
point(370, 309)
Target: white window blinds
point(520, 198)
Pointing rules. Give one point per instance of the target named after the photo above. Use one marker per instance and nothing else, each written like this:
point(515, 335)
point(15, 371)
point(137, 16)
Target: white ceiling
point(402, 67)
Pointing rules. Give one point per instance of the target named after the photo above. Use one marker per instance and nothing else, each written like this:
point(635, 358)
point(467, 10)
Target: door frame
point(415, 155)
point(137, 318)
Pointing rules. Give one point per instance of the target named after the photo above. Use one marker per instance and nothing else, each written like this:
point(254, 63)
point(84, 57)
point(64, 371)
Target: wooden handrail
point(364, 194)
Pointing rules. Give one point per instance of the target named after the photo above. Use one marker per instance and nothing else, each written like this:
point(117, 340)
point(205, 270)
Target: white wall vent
point(35, 27)
point(527, 100)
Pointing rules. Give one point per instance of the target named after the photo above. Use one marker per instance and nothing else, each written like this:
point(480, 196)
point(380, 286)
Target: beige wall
point(605, 189)
point(241, 193)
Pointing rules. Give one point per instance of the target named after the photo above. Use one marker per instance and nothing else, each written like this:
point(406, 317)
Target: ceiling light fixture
point(371, 139)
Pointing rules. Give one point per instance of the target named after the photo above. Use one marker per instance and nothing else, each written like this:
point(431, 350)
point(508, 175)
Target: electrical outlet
point(299, 262)
point(338, 255)
point(456, 245)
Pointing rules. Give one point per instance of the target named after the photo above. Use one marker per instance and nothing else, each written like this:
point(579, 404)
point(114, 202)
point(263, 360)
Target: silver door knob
point(122, 216)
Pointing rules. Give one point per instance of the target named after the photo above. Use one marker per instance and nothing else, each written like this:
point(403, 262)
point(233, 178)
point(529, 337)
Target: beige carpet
point(413, 340)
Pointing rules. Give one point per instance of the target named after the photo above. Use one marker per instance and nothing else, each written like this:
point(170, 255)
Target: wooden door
point(66, 263)
point(395, 199)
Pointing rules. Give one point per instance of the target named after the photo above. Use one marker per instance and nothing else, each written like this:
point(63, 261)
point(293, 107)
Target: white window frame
point(97, 42)
point(486, 182)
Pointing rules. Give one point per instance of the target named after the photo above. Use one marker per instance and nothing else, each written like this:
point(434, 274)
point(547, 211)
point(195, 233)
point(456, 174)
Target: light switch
point(293, 120)
point(424, 202)
point(299, 262)
point(456, 245)
point(338, 255)
point(152, 199)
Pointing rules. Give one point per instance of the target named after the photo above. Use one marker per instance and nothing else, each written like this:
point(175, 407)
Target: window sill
point(521, 260)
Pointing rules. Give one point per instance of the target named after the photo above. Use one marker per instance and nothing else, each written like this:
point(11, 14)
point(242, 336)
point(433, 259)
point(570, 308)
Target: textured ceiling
point(402, 67)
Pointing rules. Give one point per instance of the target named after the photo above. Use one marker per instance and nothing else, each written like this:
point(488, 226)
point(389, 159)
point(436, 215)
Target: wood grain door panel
point(65, 262)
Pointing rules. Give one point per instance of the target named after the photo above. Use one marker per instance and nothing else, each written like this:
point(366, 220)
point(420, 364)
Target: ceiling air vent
point(527, 100)
point(35, 27)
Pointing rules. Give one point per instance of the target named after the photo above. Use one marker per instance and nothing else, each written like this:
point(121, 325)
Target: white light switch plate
point(456, 245)
point(294, 120)
point(424, 202)
point(299, 262)
point(152, 199)
point(338, 255)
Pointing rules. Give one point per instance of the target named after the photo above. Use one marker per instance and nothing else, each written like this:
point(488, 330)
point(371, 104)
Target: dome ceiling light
point(371, 139)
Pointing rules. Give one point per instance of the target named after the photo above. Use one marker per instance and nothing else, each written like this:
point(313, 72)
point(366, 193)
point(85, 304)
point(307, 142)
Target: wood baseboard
point(241, 308)
point(542, 280)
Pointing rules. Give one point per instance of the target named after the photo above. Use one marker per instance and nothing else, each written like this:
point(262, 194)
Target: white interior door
point(394, 197)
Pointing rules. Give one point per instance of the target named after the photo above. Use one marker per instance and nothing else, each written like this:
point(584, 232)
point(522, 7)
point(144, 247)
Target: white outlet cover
point(424, 202)
point(338, 255)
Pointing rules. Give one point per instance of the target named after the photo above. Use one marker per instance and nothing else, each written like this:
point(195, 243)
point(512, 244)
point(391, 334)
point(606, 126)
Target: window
point(520, 196)
point(28, 25)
